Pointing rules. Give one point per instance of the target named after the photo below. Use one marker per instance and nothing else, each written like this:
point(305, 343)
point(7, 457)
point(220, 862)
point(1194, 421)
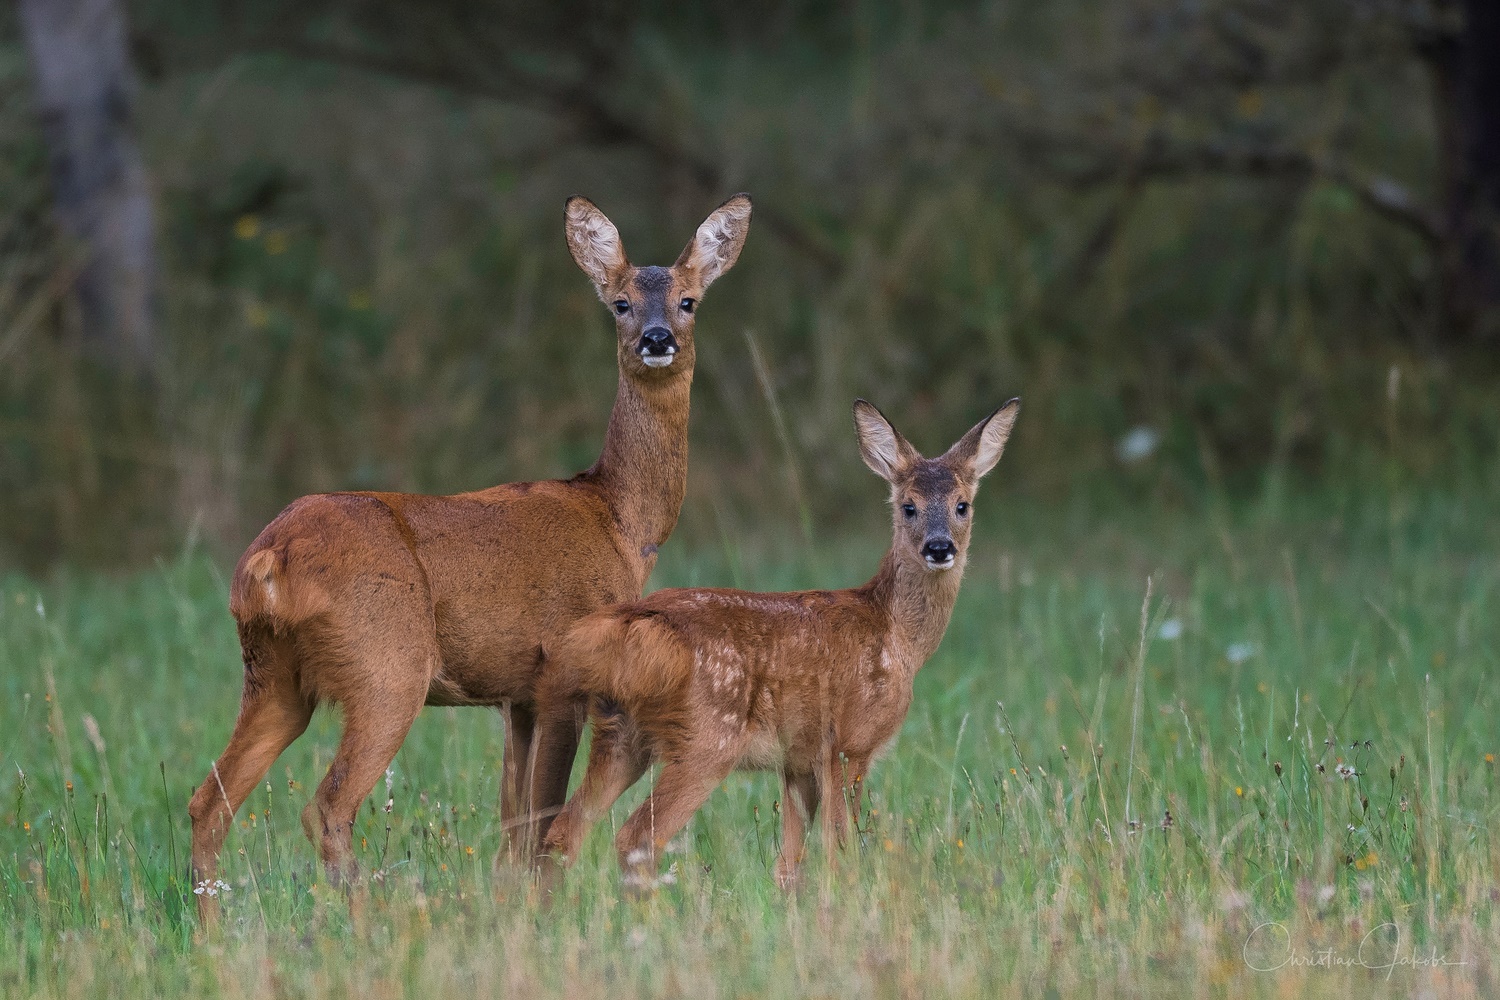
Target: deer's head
point(932, 498)
point(654, 307)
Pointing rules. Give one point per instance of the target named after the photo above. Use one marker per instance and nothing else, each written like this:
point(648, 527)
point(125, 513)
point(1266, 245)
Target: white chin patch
point(939, 566)
point(658, 360)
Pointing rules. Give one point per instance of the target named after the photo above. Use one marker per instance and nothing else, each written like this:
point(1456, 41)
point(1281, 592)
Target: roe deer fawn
point(810, 684)
point(384, 602)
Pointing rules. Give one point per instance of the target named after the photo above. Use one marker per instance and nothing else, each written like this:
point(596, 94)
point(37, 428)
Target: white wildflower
point(1139, 443)
point(1239, 652)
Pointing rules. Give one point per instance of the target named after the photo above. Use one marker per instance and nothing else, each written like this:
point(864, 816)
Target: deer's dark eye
point(963, 508)
point(909, 509)
point(622, 307)
point(687, 305)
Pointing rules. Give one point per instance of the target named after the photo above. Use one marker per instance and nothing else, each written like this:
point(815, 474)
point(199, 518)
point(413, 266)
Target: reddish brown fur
point(812, 684)
point(384, 602)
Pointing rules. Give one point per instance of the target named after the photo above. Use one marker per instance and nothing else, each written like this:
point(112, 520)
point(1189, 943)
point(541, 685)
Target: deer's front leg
point(520, 724)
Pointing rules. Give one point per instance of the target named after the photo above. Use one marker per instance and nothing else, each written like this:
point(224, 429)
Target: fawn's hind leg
point(684, 785)
point(273, 713)
point(617, 759)
point(799, 804)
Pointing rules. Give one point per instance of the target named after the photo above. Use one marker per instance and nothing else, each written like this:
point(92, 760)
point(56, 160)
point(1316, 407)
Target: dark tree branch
point(598, 122)
point(1160, 160)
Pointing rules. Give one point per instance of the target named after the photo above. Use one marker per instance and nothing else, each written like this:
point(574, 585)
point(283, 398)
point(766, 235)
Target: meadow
point(1273, 776)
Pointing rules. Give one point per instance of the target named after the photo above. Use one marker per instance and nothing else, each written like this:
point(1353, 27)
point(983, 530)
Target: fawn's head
point(654, 306)
point(933, 498)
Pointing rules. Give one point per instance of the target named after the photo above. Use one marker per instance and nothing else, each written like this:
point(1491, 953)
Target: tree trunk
point(85, 92)
point(1467, 74)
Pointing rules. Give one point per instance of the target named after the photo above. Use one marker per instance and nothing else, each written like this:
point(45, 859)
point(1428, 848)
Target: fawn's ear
point(594, 243)
point(882, 447)
point(716, 245)
point(980, 448)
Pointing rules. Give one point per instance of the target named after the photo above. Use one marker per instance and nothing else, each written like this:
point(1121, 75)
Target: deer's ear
point(594, 243)
point(716, 245)
point(980, 449)
point(882, 447)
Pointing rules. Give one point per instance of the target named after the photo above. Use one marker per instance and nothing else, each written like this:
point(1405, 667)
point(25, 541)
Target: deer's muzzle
point(658, 348)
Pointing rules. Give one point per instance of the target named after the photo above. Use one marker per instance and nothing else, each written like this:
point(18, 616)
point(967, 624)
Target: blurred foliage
point(1201, 218)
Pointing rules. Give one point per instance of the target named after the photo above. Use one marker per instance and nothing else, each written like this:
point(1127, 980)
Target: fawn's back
point(771, 678)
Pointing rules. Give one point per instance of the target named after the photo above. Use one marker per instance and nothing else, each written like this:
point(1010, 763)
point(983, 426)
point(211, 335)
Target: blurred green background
point(1224, 249)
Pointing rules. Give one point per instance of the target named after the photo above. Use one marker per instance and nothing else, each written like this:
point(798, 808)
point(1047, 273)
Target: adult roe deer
point(812, 684)
point(384, 602)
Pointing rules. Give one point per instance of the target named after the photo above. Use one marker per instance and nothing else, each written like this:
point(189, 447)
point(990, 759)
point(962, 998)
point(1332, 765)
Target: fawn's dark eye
point(687, 305)
point(963, 508)
point(622, 307)
point(909, 509)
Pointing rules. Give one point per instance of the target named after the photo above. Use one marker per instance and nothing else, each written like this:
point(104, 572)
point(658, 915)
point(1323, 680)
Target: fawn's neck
point(919, 602)
point(642, 470)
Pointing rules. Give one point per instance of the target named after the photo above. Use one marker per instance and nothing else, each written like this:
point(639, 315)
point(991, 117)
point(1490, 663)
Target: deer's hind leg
point(273, 713)
point(381, 681)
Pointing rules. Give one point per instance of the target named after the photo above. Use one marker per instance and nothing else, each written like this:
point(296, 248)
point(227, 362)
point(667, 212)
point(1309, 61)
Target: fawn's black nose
point(939, 551)
point(658, 340)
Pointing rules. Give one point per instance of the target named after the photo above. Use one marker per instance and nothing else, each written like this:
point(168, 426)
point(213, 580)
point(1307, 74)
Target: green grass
point(1342, 628)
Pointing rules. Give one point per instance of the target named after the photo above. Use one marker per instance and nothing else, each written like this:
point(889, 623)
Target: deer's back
point(493, 575)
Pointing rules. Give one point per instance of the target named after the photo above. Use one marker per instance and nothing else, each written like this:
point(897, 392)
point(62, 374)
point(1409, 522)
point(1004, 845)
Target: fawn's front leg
point(844, 782)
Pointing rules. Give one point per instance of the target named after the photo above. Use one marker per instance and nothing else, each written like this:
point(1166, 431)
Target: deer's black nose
point(658, 340)
point(939, 550)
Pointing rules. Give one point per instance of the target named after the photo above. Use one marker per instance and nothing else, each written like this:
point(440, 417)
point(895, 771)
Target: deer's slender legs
point(559, 731)
point(520, 727)
point(273, 713)
point(377, 716)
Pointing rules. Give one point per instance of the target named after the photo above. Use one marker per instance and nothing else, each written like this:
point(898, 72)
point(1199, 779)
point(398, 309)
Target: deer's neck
point(642, 470)
point(919, 603)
